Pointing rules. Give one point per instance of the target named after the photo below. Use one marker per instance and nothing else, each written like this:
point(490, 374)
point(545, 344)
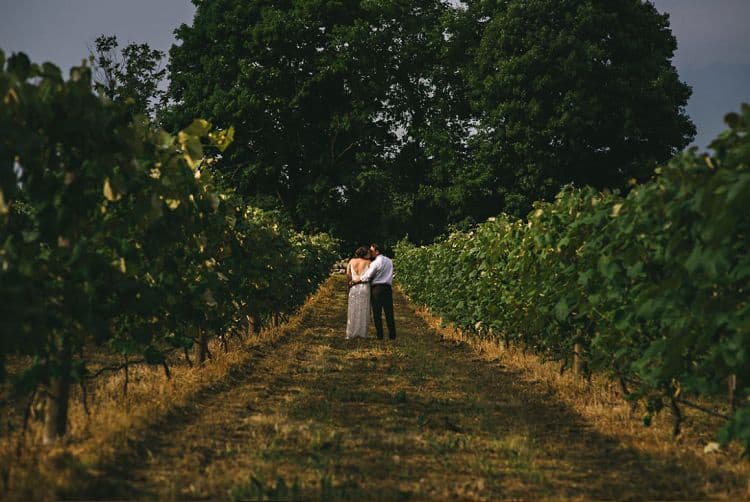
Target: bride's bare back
point(357, 266)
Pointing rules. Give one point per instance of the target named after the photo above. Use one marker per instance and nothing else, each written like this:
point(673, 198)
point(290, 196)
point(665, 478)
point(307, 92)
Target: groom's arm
point(371, 270)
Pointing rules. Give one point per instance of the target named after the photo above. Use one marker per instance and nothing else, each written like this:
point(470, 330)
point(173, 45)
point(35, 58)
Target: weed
point(256, 489)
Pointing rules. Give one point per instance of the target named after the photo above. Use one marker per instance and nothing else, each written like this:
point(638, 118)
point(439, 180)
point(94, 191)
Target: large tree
point(330, 99)
point(377, 119)
point(579, 91)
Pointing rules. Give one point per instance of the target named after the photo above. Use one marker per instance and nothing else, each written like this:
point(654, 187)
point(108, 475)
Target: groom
point(380, 276)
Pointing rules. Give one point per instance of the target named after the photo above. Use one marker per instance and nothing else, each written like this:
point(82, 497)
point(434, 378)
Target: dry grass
point(305, 414)
point(720, 474)
point(322, 417)
point(117, 423)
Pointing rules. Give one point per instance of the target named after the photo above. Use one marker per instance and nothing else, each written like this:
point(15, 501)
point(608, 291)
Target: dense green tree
point(447, 189)
point(132, 74)
point(377, 119)
point(333, 103)
point(579, 91)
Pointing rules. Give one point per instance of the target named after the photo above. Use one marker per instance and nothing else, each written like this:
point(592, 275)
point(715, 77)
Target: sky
point(713, 53)
point(713, 57)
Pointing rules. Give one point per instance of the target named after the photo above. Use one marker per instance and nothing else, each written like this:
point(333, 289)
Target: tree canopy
point(372, 120)
point(323, 95)
point(576, 91)
point(133, 75)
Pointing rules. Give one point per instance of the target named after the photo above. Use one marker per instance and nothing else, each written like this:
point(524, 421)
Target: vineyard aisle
point(420, 418)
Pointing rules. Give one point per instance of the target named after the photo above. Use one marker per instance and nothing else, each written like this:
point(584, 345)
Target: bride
point(359, 296)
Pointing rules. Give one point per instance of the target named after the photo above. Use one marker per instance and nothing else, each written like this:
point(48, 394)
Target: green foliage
point(655, 285)
point(115, 236)
point(132, 76)
point(422, 115)
point(573, 91)
point(328, 101)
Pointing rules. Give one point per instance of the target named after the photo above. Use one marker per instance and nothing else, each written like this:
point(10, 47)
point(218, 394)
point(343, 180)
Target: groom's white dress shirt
point(380, 271)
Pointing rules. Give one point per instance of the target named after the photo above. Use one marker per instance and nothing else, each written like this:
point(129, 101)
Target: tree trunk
point(732, 387)
point(203, 352)
point(58, 395)
point(577, 359)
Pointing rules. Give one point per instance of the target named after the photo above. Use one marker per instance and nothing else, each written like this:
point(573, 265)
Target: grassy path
point(317, 416)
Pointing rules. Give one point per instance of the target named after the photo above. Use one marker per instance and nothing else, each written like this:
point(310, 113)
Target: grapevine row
point(116, 237)
point(651, 287)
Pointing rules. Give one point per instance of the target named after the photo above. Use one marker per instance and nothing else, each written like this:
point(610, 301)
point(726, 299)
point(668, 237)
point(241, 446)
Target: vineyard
point(651, 288)
point(173, 298)
point(299, 413)
point(119, 247)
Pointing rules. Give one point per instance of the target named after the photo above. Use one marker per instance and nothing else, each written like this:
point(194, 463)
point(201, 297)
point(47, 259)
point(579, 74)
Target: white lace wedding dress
point(359, 309)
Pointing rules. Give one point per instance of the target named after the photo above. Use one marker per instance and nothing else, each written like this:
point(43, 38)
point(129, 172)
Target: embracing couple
point(370, 276)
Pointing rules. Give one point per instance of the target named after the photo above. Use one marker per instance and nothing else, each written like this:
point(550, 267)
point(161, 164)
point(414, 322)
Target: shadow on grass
point(419, 418)
point(435, 406)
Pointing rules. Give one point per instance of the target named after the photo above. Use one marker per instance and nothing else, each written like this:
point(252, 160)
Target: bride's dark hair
point(361, 252)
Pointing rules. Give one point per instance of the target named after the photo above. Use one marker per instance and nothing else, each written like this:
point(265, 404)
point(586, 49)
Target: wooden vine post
point(732, 388)
point(203, 352)
point(577, 359)
point(58, 393)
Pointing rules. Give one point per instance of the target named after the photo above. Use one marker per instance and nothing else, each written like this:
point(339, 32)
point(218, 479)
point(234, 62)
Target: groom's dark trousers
point(381, 298)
